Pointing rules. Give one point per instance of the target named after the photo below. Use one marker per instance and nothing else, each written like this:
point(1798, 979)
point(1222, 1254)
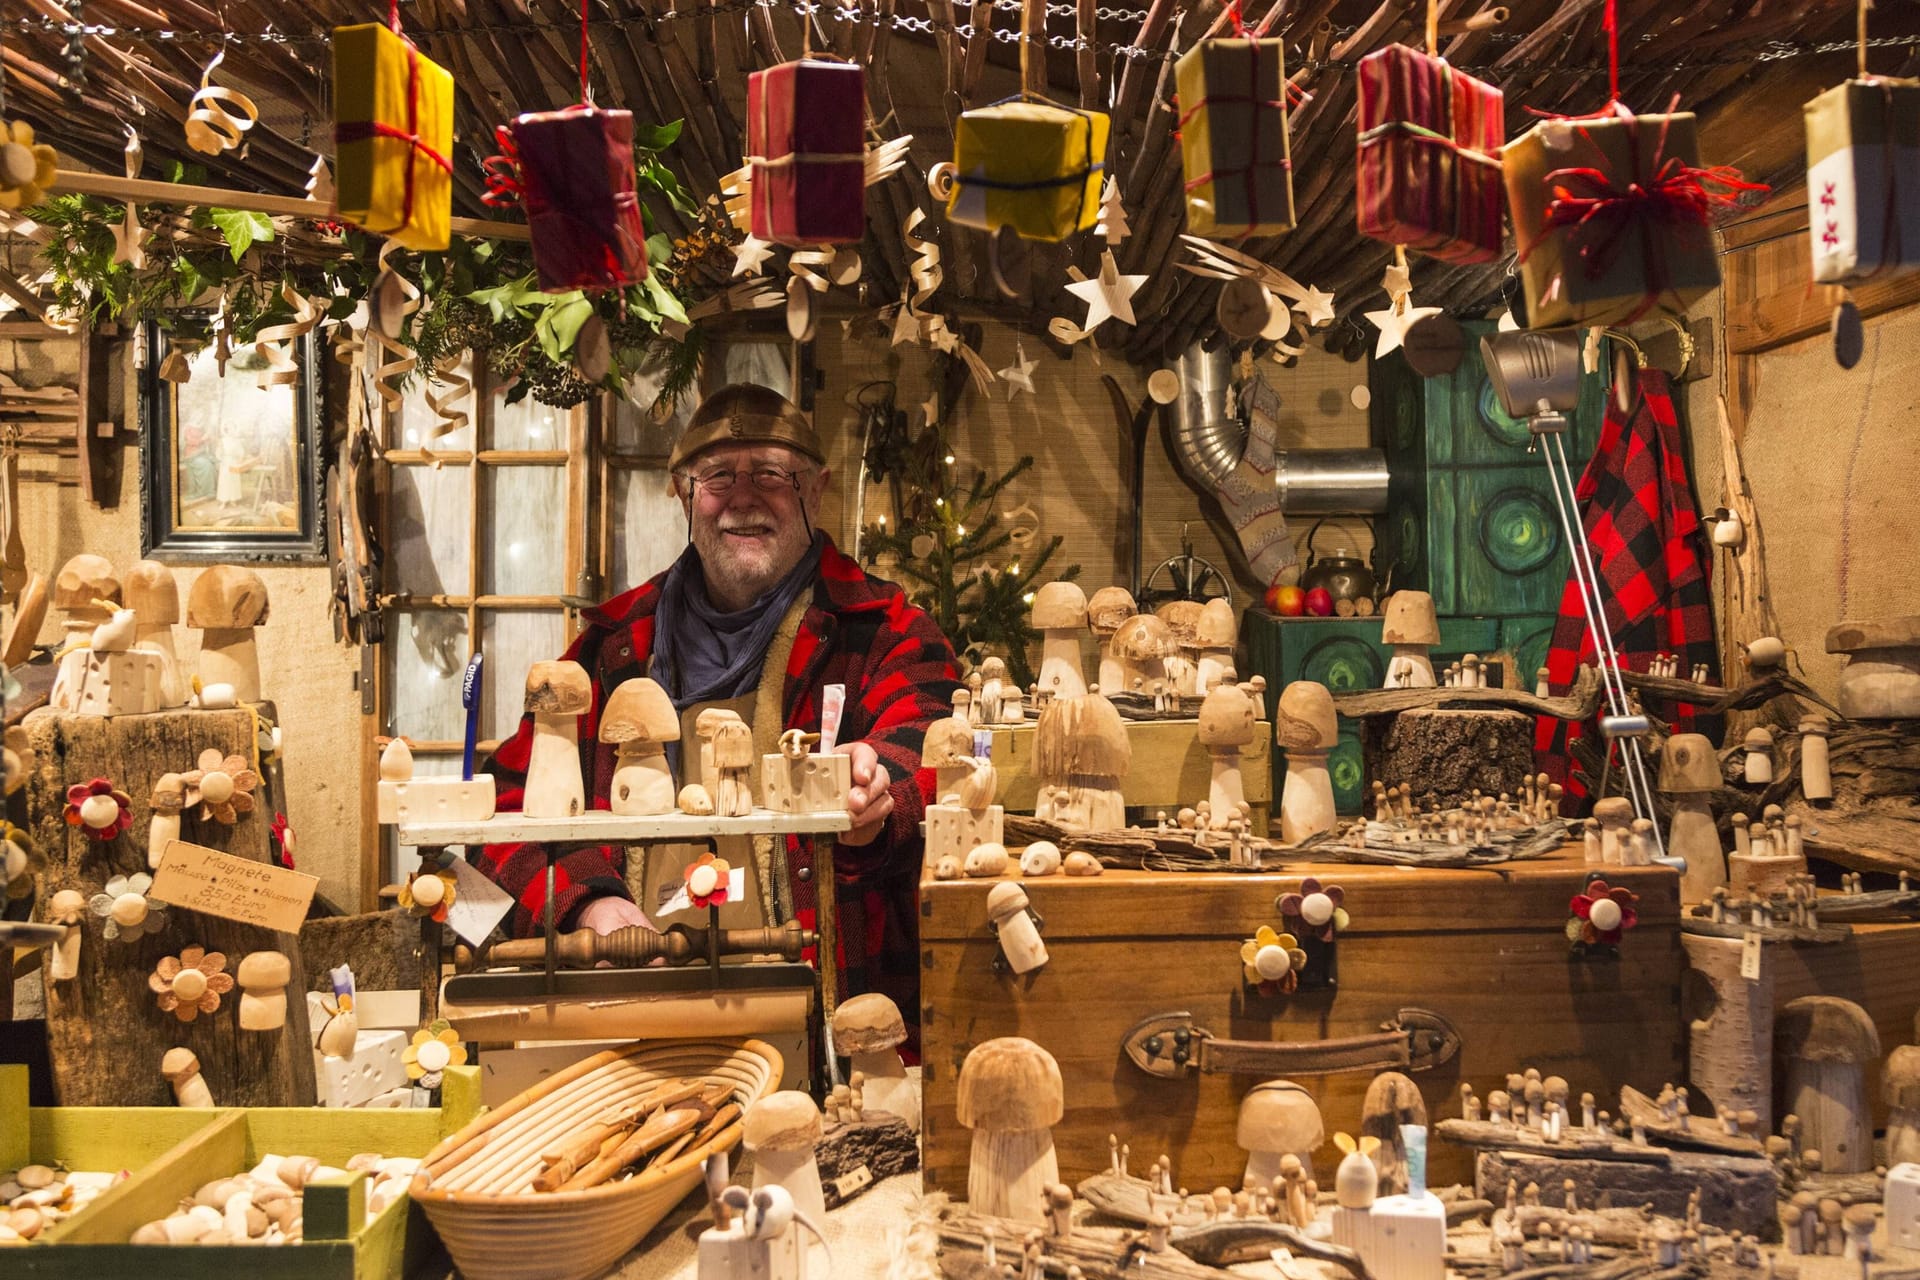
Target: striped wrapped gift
point(1429, 163)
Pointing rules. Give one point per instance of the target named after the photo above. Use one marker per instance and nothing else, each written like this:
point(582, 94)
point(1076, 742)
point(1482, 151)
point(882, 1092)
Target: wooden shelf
point(603, 827)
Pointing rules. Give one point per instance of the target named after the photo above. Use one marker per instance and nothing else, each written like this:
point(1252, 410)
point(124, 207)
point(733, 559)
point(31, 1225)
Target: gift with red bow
point(1863, 179)
point(1233, 138)
point(393, 135)
point(1612, 216)
point(572, 170)
point(1429, 161)
point(806, 143)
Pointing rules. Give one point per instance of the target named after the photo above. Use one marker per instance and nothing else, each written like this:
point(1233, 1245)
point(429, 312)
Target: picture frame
point(230, 471)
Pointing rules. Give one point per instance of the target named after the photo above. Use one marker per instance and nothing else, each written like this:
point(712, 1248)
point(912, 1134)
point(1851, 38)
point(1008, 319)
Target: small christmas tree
point(948, 545)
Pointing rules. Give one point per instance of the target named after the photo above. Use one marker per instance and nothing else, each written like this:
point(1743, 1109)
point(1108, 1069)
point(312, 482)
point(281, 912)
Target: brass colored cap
point(747, 414)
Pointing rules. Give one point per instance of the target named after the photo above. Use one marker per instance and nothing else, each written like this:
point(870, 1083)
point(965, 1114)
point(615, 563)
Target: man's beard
point(744, 553)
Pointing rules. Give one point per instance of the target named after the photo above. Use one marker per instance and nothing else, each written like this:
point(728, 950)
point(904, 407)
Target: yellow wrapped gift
point(393, 136)
point(1033, 166)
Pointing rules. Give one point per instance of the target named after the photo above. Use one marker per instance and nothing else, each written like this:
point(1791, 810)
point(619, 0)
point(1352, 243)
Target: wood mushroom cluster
point(37, 1196)
point(264, 1205)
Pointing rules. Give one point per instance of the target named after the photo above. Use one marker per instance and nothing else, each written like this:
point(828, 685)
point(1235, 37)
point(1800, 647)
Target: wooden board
point(1170, 767)
point(515, 828)
point(106, 1034)
point(1484, 948)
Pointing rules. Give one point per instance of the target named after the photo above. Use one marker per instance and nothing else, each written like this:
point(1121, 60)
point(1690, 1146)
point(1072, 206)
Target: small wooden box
point(1486, 949)
point(1170, 767)
point(174, 1151)
point(812, 784)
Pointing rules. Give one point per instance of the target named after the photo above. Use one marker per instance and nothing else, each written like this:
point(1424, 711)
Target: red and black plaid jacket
point(899, 671)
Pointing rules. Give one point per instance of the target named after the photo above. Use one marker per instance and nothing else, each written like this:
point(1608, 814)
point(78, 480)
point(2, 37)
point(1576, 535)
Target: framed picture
point(230, 470)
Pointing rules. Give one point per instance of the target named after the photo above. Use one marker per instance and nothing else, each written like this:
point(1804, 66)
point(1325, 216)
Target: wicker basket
point(476, 1186)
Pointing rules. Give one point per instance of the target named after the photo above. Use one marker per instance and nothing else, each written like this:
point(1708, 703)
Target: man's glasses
point(718, 482)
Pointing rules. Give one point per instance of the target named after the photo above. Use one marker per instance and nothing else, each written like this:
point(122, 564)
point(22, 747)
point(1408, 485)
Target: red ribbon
point(504, 186)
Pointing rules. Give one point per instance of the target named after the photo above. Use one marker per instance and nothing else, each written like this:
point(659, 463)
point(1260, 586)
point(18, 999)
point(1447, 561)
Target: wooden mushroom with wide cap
point(639, 720)
point(85, 591)
point(1277, 1119)
point(732, 742)
point(1690, 773)
point(1825, 1045)
point(1226, 727)
point(1410, 627)
point(1060, 614)
point(1081, 757)
point(1881, 680)
point(948, 751)
point(781, 1130)
point(869, 1031)
point(1141, 647)
point(1306, 727)
point(1011, 1095)
point(154, 597)
point(1900, 1089)
point(1215, 634)
point(558, 694)
point(1392, 1100)
point(226, 604)
point(1106, 610)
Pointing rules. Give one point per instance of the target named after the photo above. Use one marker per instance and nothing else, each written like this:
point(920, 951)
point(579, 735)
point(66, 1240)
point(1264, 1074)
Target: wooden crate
point(172, 1152)
point(1170, 767)
point(1487, 949)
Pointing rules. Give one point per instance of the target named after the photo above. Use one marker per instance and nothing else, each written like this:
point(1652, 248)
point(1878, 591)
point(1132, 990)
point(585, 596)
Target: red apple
point(1286, 600)
point(1320, 603)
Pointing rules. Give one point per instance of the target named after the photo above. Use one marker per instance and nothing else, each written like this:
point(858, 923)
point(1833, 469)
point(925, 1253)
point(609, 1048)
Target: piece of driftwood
point(1223, 1243)
point(1585, 1144)
point(1847, 1188)
point(1696, 1134)
point(1736, 1194)
point(1622, 1228)
point(852, 1157)
point(1100, 1253)
point(1147, 848)
point(1382, 848)
point(1871, 823)
point(1578, 704)
point(1872, 906)
point(1706, 927)
point(1710, 699)
point(1452, 753)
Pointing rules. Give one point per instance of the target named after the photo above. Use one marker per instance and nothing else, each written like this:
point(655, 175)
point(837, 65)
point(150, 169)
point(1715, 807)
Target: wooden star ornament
point(1315, 306)
point(1394, 321)
point(750, 257)
point(1109, 295)
point(1019, 375)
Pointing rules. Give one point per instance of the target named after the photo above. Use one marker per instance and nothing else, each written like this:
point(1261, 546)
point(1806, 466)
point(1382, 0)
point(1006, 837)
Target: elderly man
point(757, 616)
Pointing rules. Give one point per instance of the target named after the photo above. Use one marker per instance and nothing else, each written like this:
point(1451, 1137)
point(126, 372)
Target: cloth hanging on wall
point(1653, 558)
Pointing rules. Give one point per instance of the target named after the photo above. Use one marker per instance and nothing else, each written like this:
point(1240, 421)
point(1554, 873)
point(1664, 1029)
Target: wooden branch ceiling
point(928, 59)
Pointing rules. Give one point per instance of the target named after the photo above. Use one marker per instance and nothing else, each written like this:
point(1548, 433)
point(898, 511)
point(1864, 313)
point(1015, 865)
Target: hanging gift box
point(1233, 138)
point(1429, 158)
point(1863, 178)
point(1030, 165)
point(393, 132)
point(806, 135)
point(576, 177)
point(1611, 217)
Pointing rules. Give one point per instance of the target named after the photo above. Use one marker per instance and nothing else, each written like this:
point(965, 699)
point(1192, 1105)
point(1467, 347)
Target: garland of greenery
point(478, 295)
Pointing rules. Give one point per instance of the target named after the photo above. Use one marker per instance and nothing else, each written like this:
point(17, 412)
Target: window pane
point(634, 428)
point(762, 363)
point(428, 526)
point(527, 425)
point(527, 526)
point(428, 649)
point(404, 860)
point(648, 527)
point(414, 422)
point(514, 640)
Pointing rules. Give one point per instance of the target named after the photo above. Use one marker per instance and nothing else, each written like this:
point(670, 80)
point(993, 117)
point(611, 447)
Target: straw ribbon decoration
point(211, 127)
point(281, 371)
point(386, 327)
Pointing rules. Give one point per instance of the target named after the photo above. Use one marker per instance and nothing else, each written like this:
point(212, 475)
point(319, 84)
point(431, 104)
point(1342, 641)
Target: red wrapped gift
point(576, 175)
point(1429, 164)
point(806, 142)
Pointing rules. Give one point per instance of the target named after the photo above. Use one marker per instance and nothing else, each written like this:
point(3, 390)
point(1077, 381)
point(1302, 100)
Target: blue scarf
point(702, 654)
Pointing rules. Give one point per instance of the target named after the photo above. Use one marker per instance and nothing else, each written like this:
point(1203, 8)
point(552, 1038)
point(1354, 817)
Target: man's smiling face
point(749, 537)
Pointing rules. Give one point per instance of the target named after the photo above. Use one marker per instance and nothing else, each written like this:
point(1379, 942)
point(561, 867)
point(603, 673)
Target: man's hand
point(604, 915)
point(869, 801)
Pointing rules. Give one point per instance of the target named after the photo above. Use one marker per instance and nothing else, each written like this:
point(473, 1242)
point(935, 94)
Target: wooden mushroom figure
point(1011, 1095)
point(1613, 827)
point(947, 749)
point(1141, 648)
point(1060, 614)
point(869, 1030)
point(733, 767)
point(639, 720)
point(1900, 1088)
point(1278, 1118)
point(781, 1130)
point(1816, 769)
point(263, 978)
point(1392, 1100)
point(995, 687)
point(154, 597)
point(1759, 749)
point(1411, 627)
point(1019, 939)
point(226, 603)
point(1306, 728)
point(1183, 620)
point(67, 907)
point(1081, 756)
point(1690, 773)
point(1106, 610)
point(168, 800)
point(1226, 726)
point(182, 1070)
point(558, 694)
point(84, 591)
point(1825, 1045)
point(1215, 634)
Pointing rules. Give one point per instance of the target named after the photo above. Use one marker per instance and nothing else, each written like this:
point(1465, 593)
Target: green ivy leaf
point(560, 324)
point(663, 299)
point(657, 137)
point(242, 228)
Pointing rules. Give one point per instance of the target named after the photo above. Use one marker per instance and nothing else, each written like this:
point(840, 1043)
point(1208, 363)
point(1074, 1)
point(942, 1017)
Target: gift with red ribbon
point(1863, 179)
point(1233, 138)
point(576, 178)
point(1429, 156)
point(806, 143)
point(1612, 214)
point(393, 136)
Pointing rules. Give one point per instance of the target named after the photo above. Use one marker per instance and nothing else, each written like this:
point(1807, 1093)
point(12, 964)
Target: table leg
point(826, 923)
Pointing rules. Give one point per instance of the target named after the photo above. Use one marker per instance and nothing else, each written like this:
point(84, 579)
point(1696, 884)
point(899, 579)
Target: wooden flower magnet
point(222, 786)
point(99, 808)
point(130, 914)
point(190, 983)
point(1601, 913)
point(1315, 914)
point(429, 892)
point(1271, 962)
point(707, 880)
point(435, 1047)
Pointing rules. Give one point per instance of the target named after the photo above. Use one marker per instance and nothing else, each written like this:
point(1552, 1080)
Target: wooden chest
point(1486, 949)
